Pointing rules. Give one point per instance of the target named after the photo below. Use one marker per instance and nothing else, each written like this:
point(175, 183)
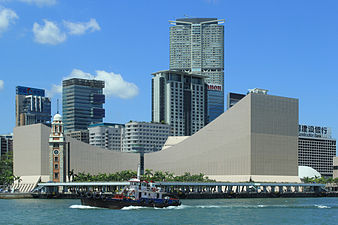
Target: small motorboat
point(137, 193)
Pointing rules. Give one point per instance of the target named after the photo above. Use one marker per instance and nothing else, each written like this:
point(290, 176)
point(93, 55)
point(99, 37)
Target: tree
point(6, 170)
point(149, 175)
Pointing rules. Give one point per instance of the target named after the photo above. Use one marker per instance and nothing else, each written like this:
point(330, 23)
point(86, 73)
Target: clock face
point(56, 152)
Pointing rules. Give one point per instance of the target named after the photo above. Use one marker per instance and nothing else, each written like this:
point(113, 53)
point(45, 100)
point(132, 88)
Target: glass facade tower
point(82, 103)
point(32, 106)
point(197, 46)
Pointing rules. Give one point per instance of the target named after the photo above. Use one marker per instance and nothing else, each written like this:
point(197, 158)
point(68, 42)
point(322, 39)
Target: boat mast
point(139, 172)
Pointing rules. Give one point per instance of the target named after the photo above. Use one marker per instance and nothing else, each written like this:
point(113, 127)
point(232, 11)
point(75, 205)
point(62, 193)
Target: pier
point(191, 190)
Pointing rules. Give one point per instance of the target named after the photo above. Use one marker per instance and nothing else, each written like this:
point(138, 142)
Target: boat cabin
point(140, 189)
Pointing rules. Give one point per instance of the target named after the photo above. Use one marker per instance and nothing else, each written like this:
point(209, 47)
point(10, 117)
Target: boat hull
point(113, 203)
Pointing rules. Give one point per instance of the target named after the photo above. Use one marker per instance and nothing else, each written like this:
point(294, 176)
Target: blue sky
point(287, 47)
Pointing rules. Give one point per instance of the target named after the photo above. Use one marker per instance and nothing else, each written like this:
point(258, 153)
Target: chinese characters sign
point(314, 131)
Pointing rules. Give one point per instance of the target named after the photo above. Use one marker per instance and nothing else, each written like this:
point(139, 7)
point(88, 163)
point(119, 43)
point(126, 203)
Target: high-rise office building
point(197, 46)
point(82, 103)
point(316, 148)
point(32, 106)
point(81, 135)
point(144, 136)
point(6, 144)
point(179, 99)
point(106, 135)
point(233, 98)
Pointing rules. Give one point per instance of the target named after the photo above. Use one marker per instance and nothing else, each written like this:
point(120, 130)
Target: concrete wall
point(31, 154)
point(88, 158)
point(274, 137)
point(222, 147)
point(30, 150)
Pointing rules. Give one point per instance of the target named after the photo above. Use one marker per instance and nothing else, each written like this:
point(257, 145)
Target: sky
point(289, 47)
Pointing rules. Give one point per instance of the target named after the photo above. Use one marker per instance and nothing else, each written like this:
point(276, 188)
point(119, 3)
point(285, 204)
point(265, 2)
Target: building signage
point(314, 131)
point(20, 90)
point(214, 87)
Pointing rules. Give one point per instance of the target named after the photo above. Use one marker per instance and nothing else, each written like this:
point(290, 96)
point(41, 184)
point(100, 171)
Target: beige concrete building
point(335, 167)
point(255, 140)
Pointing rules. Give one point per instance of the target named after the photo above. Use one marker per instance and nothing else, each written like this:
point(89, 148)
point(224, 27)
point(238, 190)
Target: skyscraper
point(31, 106)
point(179, 99)
point(197, 46)
point(82, 103)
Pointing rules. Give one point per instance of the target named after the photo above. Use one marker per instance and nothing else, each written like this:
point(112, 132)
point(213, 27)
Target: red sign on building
point(214, 87)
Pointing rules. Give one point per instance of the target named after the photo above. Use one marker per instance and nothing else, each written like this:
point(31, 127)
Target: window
point(56, 166)
point(56, 159)
point(56, 175)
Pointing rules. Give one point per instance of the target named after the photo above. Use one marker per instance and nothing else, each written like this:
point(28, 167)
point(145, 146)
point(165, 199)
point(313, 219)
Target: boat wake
point(82, 207)
point(323, 207)
point(175, 207)
point(134, 207)
point(247, 206)
point(166, 208)
point(206, 207)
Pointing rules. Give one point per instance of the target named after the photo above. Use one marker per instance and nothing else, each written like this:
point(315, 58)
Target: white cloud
point(40, 3)
point(49, 33)
point(1, 85)
point(56, 89)
point(7, 17)
point(116, 86)
point(81, 28)
point(114, 83)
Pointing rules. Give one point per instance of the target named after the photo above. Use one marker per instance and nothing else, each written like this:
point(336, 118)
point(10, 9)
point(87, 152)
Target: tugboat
point(138, 193)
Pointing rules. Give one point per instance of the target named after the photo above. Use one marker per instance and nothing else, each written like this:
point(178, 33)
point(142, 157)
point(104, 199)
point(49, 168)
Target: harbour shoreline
point(181, 195)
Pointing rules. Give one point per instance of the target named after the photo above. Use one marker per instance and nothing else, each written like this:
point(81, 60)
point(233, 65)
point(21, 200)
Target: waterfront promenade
point(190, 189)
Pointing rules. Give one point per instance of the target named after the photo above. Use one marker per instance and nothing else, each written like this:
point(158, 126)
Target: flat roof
point(180, 72)
point(183, 21)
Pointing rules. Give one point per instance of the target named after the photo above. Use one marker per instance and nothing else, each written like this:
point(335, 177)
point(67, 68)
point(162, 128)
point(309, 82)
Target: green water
point(212, 211)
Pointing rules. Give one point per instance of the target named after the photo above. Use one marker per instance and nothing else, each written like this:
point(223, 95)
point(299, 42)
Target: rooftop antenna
point(57, 106)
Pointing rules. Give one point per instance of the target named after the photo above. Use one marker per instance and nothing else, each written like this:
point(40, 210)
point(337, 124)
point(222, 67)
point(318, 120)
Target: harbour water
point(208, 211)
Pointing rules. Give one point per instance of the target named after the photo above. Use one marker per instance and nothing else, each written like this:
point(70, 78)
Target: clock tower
point(57, 154)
